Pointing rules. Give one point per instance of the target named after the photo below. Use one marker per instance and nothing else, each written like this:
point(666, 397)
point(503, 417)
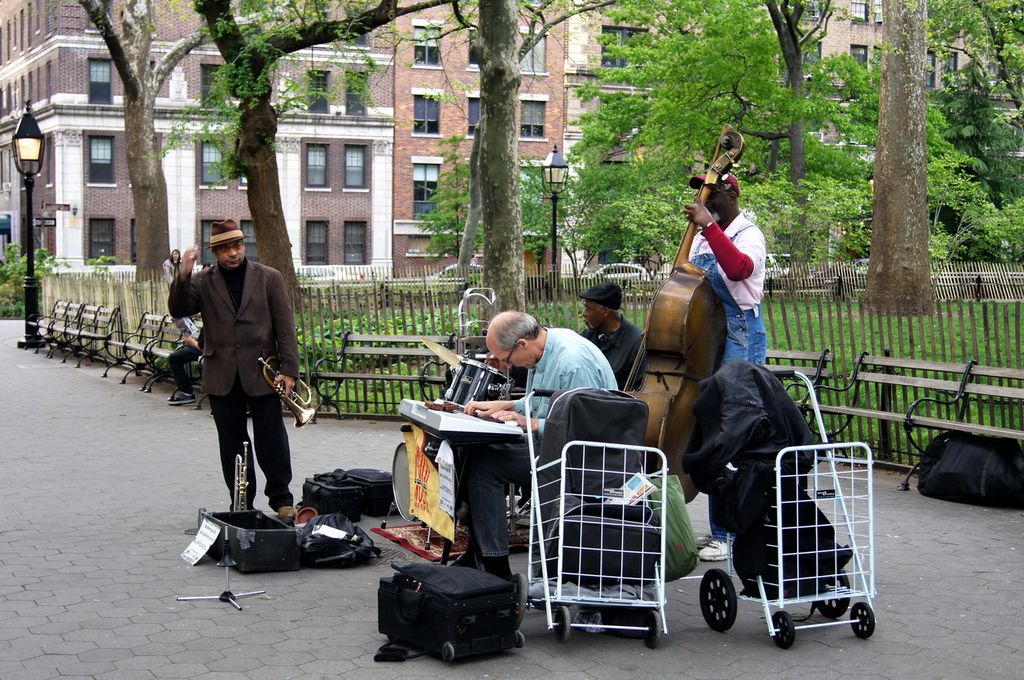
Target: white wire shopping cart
point(819, 539)
point(596, 542)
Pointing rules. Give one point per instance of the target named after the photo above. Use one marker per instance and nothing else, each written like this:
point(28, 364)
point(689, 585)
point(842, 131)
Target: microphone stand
point(226, 561)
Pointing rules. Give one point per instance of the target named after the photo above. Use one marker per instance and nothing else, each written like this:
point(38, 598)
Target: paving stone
point(91, 594)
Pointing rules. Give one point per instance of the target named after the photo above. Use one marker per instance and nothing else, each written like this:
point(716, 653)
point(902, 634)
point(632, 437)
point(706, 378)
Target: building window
point(860, 54)
point(355, 243)
point(426, 115)
point(355, 93)
point(252, 251)
point(134, 253)
point(473, 115)
point(99, 81)
point(101, 238)
point(949, 65)
point(101, 160)
point(878, 11)
point(535, 60)
point(355, 167)
point(613, 37)
point(318, 92)
point(426, 51)
point(316, 242)
point(207, 75)
point(930, 65)
point(424, 184)
point(531, 124)
point(316, 165)
point(859, 10)
point(49, 80)
point(813, 55)
point(210, 172)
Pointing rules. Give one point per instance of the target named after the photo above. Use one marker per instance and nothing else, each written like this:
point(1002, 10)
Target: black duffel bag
point(969, 468)
point(343, 545)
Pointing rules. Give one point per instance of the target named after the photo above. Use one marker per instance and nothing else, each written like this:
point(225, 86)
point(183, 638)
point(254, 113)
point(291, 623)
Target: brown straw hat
point(224, 232)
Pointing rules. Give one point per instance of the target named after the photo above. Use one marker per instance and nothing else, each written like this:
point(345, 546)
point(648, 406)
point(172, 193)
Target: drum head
point(400, 481)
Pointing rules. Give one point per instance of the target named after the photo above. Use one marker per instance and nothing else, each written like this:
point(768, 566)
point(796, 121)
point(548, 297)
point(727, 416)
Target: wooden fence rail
point(989, 331)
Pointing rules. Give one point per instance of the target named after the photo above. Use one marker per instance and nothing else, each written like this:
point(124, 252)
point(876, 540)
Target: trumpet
point(240, 499)
point(301, 406)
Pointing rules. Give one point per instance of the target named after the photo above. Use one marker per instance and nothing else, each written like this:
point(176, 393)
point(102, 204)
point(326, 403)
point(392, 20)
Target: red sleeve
point(736, 264)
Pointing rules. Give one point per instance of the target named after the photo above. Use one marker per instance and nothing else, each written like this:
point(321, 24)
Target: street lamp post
point(29, 145)
point(555, 170)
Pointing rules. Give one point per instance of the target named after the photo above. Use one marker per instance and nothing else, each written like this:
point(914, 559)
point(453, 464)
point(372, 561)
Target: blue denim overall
point(745, 338)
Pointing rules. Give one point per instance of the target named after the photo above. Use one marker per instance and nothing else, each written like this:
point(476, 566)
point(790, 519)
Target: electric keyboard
point(457, 427)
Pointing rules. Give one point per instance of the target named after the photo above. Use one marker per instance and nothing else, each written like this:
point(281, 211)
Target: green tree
point(142, 73)
point(447, 220)
point(253, 38)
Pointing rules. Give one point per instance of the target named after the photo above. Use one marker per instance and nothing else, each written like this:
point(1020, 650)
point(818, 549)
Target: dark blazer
point(263, 326)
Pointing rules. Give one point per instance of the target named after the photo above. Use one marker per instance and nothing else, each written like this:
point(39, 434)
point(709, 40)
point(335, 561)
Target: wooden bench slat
point(913, 364)
point(986, 430)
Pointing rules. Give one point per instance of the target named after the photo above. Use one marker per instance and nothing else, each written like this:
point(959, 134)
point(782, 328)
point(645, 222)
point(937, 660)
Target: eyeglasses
point(511, 352)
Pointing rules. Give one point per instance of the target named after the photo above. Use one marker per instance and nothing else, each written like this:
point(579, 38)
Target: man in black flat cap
point(617, 337)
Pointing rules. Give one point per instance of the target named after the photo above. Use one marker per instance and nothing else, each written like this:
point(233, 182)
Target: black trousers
point(271, 442)
point(178, 361)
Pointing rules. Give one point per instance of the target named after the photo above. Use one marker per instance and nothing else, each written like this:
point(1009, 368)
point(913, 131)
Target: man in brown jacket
point(247, 314)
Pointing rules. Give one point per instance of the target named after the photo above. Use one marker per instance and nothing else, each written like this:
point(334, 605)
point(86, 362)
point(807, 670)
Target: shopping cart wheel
point(563, 623)
point(520, 639)
point(837, 606)
point(784, 634)
point(653, 634)
point(522, 589)
point(862, 618)
point(718, 600)
point(448, 652)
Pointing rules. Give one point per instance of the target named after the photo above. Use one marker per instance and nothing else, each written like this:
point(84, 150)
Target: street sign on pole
point(45, 221)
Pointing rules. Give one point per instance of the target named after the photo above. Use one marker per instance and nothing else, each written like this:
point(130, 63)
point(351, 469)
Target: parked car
point(620, 272)
point(452, 272)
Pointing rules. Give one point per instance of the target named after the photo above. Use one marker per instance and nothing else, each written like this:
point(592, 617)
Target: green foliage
point(12, 277)
point(451, 201)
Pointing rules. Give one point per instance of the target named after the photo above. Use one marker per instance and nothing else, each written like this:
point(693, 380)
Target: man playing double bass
point(732, 250)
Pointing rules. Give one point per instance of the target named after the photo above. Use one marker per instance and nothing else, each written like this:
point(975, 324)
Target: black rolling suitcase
point(378, 493)
point(446, 610)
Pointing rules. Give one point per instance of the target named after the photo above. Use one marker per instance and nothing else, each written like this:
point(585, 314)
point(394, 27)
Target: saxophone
point(240, 499)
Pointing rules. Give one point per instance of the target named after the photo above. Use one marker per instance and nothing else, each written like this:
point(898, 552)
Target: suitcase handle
point(408, 606)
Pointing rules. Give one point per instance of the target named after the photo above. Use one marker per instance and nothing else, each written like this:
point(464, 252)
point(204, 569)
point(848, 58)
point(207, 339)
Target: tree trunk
point(468, 246)
point(255, 151)
point(499, 153)
point(149, 188)
point(899, 276)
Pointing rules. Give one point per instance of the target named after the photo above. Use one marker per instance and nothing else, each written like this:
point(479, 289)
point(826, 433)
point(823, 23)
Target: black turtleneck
point(235, 281)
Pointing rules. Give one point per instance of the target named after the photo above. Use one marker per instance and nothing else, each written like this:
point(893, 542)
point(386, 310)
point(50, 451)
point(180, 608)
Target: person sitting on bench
point(191, 350)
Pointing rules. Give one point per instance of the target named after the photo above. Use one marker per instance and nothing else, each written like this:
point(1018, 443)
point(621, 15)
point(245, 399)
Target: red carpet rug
point(413, 537)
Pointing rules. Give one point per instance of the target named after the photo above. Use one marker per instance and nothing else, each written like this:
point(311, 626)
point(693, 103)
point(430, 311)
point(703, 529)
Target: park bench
point(385, 368)
point(88, 339)
point(921, 396)
point(165, 340)
point(815, 365)
point(60, 330)
point(128, 349)
point(43, 322)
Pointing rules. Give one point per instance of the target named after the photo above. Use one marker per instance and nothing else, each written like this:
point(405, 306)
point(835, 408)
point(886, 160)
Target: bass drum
point(476, 381)
point(400, 482)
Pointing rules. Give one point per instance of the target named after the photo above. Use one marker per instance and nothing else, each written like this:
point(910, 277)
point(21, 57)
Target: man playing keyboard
point(556, 359)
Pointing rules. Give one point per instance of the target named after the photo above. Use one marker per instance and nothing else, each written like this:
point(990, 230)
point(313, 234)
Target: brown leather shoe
point(286, 512)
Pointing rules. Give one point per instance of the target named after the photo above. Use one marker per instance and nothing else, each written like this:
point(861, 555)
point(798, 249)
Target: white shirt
point(748, 292)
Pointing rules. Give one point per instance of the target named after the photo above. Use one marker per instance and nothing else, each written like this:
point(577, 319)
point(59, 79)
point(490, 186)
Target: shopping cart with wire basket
point(814, 545)
point(596, 542)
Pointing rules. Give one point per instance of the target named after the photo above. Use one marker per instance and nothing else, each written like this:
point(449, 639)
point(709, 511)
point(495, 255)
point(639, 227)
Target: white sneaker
point(715, 551)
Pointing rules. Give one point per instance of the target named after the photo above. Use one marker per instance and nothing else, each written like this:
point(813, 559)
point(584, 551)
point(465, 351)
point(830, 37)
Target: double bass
point(684, 336)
